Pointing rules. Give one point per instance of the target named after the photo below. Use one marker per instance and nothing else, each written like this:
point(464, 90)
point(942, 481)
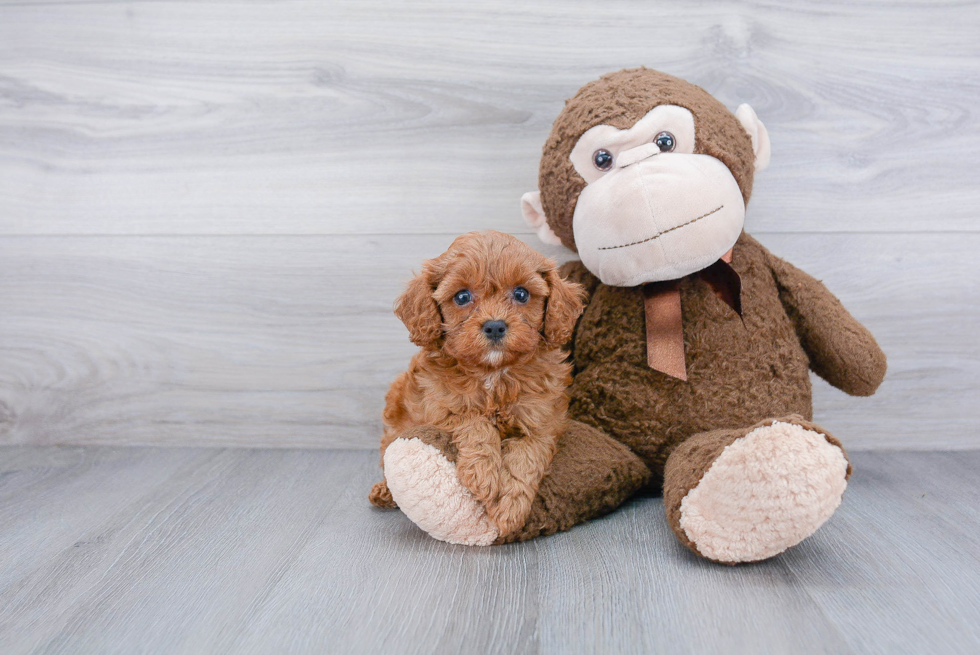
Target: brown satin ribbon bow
point(664, 320)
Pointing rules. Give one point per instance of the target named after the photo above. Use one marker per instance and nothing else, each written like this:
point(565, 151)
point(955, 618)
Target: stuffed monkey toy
point(692, 358)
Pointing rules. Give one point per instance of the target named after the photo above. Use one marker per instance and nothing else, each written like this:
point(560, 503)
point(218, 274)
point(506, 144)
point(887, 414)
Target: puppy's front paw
point(480, 477)
point(510, 513)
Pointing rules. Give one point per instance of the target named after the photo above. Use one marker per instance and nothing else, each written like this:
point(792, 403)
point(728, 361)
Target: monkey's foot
point(747, 495)
point(424, 484)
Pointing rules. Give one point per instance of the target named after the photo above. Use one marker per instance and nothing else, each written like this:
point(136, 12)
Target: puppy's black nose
point(495, 330)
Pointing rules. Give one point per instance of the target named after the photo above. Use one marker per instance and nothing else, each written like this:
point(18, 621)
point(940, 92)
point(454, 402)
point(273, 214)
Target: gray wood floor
point(132, 550)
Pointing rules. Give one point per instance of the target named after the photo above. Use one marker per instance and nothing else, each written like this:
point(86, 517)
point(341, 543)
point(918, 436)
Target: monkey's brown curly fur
point(503, 404)
point(742, 370)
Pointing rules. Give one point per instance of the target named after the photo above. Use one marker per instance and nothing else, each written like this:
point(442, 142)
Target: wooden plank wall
point(206, 209)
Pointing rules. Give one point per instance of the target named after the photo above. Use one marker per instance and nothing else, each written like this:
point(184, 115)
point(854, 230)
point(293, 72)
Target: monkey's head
point(646, 176)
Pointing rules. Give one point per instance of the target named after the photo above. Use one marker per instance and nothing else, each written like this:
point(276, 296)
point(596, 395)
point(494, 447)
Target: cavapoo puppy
point(491, 316)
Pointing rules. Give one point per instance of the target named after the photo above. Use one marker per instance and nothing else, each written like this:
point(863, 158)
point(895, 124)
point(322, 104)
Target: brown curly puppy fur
point(503, 401)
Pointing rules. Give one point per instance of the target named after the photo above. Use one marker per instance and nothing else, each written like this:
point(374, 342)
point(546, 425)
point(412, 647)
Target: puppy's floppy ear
point(564, 304)
point(418, 310)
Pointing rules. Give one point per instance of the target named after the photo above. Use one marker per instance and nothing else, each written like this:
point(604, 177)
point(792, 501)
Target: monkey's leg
point(590, 475)
point(749, 494)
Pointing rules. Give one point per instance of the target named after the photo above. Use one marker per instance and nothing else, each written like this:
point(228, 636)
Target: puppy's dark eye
point(521, 295)
point(462, 297)
point(602, 159)
point(665, 141)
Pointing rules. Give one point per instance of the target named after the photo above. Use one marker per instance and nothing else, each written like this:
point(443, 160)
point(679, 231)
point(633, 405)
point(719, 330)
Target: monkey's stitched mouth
point(660, 234)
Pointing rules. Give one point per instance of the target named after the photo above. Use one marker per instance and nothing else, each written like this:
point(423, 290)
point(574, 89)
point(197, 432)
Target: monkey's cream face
point(652, 209)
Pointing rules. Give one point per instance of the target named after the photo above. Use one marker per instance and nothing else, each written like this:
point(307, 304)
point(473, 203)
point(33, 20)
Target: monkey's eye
point(602, 159)
point(665, 141)
point(462, 297)
point(521, 295)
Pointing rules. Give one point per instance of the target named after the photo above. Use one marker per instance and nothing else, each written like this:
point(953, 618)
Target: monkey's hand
point(841, 350)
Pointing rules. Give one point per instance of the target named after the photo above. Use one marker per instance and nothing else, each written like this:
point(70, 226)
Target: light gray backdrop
point(206, 209)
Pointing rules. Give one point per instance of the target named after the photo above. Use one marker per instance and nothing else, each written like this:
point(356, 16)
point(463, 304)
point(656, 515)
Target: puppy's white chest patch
point(493, 357)
point(492, 379)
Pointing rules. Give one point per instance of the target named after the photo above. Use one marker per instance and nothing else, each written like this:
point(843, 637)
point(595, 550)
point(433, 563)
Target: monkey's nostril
point(495, 330)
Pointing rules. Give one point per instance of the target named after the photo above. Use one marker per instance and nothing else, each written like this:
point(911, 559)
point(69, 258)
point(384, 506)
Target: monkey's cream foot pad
point(425, 486)
point(766, 492)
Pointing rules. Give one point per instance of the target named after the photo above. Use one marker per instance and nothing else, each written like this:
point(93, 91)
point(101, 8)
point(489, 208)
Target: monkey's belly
point(651, 412)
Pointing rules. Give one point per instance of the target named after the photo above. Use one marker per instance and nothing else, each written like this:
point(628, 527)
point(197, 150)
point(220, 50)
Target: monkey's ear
point(757, 131)
point(418, 310)
point(534, 215)
point(565, 303)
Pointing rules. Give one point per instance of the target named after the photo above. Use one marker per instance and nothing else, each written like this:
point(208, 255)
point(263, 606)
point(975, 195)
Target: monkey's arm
point(575, 271)
point(841, 350)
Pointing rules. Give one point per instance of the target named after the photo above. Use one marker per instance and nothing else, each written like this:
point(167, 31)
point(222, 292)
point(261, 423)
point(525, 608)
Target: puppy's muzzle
point(494, 330)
